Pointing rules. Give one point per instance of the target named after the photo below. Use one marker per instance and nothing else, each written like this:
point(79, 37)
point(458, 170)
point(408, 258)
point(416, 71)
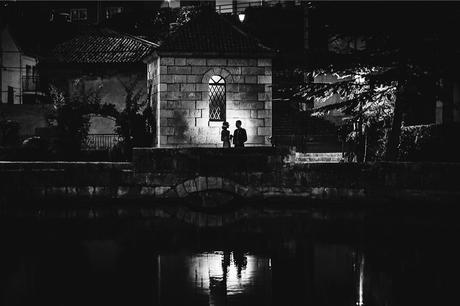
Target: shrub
point(136, 123)
point(9, 132)
point(430, 143)
point(70, 116)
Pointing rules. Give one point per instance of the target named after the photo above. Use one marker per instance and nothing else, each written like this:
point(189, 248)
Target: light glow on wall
point(233, 115)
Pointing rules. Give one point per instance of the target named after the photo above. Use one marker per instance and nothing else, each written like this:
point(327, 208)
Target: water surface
point(283, 262)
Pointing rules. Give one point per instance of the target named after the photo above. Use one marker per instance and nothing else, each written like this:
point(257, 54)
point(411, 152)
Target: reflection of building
point(214, 278)
point(221, 274)
point(208, 72)
point(230, 272)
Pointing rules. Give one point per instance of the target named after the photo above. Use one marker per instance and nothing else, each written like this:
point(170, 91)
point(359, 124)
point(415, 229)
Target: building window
point(30, 80)
point(216, 98)
point(112, 11)
point(79, 14)
point(10, 95)
point(28, 70)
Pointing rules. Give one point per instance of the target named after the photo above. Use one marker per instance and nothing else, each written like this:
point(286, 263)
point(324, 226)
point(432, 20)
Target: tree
point(380, 83)
point(153, 22)
point(71, 116)
point(367, 100)
point(135, 123)
point(9, 131)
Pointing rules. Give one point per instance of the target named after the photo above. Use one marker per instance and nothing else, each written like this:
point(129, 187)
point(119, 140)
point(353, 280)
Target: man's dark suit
point(239, 137)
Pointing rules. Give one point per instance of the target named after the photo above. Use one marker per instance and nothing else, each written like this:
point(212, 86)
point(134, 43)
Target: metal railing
point(101, 141)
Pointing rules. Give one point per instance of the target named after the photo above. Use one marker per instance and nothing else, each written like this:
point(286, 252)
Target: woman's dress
point(225, 137)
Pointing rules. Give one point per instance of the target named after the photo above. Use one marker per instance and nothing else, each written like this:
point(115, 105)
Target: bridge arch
point(228, 77)
point(212, 183)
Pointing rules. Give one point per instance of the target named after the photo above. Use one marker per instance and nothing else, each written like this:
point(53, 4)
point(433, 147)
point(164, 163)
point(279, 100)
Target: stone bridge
point(217, 181)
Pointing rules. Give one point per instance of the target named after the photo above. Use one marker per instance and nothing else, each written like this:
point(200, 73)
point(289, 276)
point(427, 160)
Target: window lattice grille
point(216, 99)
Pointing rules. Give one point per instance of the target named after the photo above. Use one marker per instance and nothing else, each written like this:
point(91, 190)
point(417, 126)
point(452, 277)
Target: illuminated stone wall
point(180, 97)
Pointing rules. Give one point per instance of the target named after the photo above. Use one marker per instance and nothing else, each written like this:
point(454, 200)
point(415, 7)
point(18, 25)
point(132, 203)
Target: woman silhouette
point(225, 135)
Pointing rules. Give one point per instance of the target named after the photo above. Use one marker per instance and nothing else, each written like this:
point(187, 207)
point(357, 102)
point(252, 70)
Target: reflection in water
point(274, 269)
point(226, 273)
point(360, 301)
point(220, 277)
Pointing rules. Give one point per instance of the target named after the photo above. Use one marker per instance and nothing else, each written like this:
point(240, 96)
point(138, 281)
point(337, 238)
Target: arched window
point(216, 98)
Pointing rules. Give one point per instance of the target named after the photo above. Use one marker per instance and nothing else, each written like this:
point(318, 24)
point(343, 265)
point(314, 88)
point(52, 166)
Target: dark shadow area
point(290, 260)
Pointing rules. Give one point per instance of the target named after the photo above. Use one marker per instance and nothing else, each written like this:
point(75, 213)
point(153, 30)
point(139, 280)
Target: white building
point(19, 77)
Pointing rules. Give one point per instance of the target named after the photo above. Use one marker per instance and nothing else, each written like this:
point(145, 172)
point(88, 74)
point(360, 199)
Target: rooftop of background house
point(102, 46)
point(209, 33)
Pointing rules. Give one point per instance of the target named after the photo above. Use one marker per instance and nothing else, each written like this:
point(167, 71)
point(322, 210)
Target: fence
point(101, 141)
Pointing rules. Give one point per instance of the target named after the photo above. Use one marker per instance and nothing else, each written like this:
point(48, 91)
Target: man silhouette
point(239, 136)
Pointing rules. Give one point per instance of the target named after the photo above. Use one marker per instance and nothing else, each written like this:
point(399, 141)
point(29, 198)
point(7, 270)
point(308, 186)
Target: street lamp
point(241, 16)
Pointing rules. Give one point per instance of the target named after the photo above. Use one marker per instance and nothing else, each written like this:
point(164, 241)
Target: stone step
point(327, 157)
point(332, 154)
point(319, 157)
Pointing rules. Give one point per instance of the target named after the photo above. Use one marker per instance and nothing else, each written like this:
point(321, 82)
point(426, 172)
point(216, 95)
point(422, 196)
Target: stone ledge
point(192, 186)
point(176, 173)
point(58, 165)
point(203, 160)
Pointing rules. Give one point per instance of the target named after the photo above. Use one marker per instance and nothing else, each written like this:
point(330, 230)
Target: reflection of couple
point(239, 135)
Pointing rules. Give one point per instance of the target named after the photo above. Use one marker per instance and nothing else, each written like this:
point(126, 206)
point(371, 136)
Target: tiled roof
point(211, 33)
point(103, 47)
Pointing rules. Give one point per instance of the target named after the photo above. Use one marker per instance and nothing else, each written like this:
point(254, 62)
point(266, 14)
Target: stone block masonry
point(256, 176)
point(180, 94)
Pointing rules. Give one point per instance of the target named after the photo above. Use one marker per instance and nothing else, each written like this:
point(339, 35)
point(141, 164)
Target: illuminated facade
point(206, 73)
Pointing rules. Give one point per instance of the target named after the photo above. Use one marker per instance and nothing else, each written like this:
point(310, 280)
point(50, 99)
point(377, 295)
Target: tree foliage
point(9, 132)
point(70, 116)
point(135, 123)
point(154, 23)
point(379, 83)
point(363, 94)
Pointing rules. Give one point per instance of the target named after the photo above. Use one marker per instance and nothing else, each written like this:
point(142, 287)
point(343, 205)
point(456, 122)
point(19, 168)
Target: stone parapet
point(207, 160)
point(224, 180)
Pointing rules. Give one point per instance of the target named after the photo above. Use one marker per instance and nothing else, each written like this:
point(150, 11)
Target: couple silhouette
point(239, 135)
